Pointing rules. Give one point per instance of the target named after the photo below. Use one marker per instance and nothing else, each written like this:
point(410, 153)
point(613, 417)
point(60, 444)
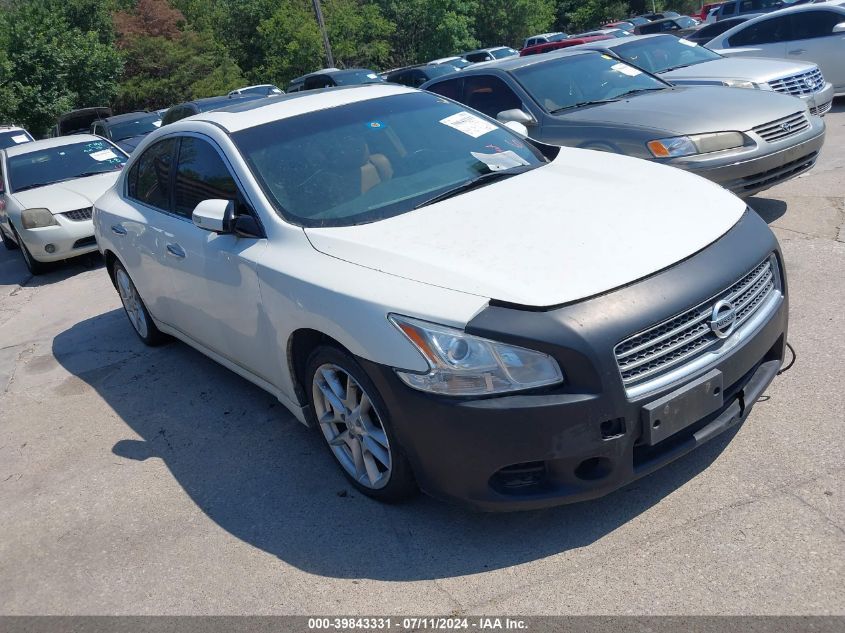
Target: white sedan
point(810, 33)
point(47, 192)
point(504, 324)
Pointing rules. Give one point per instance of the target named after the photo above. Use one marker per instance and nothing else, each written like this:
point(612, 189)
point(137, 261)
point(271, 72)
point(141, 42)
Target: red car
point(705, 9)
point(553, 46)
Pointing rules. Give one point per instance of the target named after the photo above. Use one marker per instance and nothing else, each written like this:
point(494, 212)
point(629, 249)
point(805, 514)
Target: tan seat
point(375, 170)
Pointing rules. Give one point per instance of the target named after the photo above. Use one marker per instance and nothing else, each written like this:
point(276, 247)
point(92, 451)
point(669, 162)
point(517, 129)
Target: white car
point(11, 135)
point(809, 32)
point(47, 191)
point(506, 324)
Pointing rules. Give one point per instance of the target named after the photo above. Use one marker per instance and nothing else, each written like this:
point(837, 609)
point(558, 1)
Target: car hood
point(690, 110)
point(68, 195)
point(758, 70)
point(585, 224)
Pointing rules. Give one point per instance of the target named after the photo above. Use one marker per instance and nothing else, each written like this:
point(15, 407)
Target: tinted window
point(729, 8)
point(374, 159)
point(65, 162)
point(320, 81)
point(764, 32)
point(450, 88)
point(141, 126)
point(200, 175)
point(489, 95)
point(810, 24)
point(149, 178)
point(707, 33)
point(479, 57)
point(12, 138)
point(685, 22)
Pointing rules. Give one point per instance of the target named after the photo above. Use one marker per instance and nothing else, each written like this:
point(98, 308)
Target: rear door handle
point(176, 251)
point(118, 230)
point(798, 51)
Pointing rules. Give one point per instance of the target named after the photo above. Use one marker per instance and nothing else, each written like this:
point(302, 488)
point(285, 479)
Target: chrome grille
point(822, 109)
point(78, 215)
point(783, 128)
point(805, 83)
point(684, 337)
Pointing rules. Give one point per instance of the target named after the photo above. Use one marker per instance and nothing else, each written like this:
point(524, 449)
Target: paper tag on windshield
point(625, 69)
point(687, 42)
point(103, 155)
point(157, 123)
point(20, 138)
point(500, 160)
point(469, 124)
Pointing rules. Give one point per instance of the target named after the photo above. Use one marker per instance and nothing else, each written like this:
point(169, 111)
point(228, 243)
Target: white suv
point(505, 324)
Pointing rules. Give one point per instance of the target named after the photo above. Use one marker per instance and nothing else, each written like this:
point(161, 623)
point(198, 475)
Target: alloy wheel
point(131, 303)
point(352, 426)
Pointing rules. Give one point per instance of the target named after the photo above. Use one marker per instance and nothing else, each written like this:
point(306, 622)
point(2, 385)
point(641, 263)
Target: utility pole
point(326, 44)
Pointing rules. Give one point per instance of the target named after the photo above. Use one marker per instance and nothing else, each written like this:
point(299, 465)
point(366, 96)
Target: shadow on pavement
point(269, 481)
point(838, 104)
point(770, 209)
point(13, 271)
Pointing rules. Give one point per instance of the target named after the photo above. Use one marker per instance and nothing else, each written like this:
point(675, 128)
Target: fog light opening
point(611, 429)
point(516, 478)
point(594, 468)
point(50, 248)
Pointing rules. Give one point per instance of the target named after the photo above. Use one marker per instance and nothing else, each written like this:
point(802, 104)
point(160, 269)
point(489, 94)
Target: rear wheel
point(352, 418)
point(135, 309)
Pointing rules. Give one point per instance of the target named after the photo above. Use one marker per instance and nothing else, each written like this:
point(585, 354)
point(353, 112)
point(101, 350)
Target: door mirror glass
point(516, 115)
point(214, 215)
point(839, 28)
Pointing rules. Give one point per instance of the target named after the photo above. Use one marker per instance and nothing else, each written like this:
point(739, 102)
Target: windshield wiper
point(35, 185)
point(633, 92)
point(478, 181)
point(85, 174)
point(583, 103)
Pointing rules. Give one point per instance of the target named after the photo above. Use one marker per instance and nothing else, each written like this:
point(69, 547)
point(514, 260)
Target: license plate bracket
point(677, 410)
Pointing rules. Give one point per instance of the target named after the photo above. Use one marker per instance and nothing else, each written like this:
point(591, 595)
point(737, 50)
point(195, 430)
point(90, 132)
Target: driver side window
point(490, 95)
point(201, 175)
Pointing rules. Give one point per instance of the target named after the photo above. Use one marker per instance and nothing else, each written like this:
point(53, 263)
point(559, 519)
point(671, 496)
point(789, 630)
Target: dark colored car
point(330, 77)
point(707, 32)
point(553, 46)
point(127, 130)
point(416, 76)
point(679, 26)
point(79, 121)
point(591, 100)
point(190, 108)
point(733, 8)
point(651, 17)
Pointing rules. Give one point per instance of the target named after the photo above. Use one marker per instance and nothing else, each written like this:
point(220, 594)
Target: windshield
point(65, 162)
point(569, 82)
point(136, 127)
point(500, 53)
point(438, 71)
point(659, 54)
point(375, 159)
point(351, 77)
point(13, 137)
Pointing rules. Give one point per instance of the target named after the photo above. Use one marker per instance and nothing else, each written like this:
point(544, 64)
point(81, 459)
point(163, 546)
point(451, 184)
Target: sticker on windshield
point(376, 125)
point(20, 138)
point(103, 155)
point(501, 160)
point(687, 42)
point(469, 124)
point(157, 123)
point(372, 76)
point(625, 69)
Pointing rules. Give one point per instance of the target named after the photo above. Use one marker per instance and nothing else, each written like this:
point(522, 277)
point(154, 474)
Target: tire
point(33, 265)
point(378, 466)
point(8, 242)
point(136, 310)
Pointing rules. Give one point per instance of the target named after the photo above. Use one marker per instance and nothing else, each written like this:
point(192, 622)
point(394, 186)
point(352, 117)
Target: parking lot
point(136, 480)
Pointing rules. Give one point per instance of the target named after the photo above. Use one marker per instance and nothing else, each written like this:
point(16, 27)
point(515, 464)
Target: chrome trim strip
point(659, 339)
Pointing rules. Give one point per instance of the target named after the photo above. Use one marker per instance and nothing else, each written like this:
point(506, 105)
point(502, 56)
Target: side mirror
point(517, 115)
point(214, 215)
point(839, 28)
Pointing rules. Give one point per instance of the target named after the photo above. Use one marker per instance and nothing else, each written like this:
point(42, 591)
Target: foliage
point(509, 21)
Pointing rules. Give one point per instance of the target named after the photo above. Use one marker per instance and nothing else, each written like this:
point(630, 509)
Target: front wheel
point(33, 265)
point(353, 419)
point(135, 309)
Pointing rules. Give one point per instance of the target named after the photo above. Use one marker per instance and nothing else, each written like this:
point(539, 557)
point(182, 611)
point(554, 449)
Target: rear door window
point(149, 178)
point(811, 24)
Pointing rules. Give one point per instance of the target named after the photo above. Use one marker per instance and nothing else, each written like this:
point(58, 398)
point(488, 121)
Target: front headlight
point(694, 144)
point(739, 83)
point(37, 218)
point(466, 365)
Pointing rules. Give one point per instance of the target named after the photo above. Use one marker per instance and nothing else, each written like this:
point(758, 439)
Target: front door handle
point(176, 251)
point(798, 51)
point(118, 230)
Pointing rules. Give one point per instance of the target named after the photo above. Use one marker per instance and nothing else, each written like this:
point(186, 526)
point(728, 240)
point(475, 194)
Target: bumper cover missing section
point(586, 438)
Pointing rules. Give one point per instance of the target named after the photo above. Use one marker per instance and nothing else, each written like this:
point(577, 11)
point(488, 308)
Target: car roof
point(128, 116)
point(513, 63)
point(829, 6)
point(244, 115)
point(619, 41)
point(34, 146)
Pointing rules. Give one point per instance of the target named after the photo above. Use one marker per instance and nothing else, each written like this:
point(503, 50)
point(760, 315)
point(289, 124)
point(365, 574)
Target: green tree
point(580, 15)
point(508, 22)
